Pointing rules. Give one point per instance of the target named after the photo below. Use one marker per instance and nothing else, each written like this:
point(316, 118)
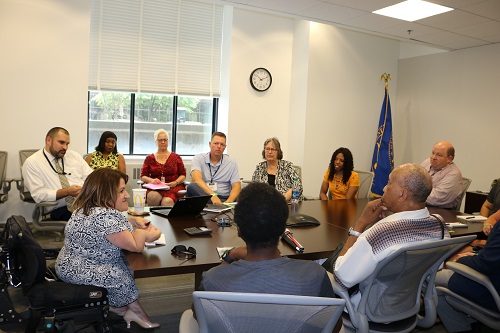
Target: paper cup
point(139, 199)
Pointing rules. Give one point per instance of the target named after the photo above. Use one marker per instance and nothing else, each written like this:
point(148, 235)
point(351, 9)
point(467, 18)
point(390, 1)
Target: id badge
point(162, 179)
point(212, 186)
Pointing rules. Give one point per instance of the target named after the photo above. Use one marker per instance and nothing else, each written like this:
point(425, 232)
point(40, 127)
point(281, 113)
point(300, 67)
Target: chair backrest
point(465, 186)
point(23, 191)
point(3, 174)
point(249, 312)
point(298, 170)
point(392, 292)
point(365, 183)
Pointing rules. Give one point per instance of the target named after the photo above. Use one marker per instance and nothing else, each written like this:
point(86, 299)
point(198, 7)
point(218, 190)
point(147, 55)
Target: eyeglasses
point(162, 140)
point(184, 253)
point(270, 149)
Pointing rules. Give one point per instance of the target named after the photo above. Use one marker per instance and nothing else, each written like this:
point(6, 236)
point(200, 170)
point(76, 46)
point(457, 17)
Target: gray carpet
point(163, 298)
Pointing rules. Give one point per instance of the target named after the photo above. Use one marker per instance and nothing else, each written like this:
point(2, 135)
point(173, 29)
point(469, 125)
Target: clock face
point(261, 79)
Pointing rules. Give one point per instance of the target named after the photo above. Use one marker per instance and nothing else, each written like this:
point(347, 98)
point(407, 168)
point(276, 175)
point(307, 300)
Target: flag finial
point(386, 77)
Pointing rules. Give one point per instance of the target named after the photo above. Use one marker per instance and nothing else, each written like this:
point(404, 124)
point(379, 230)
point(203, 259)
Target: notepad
point(456, 225)
point(217, 208)
point(471, 218)
point(159, 241)
point(161, 186)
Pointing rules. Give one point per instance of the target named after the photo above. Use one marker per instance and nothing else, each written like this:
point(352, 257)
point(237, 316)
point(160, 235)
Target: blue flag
point(383, 153)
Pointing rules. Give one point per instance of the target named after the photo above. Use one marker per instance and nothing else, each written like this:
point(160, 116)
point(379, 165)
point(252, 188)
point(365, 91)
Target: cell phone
point(196, 231)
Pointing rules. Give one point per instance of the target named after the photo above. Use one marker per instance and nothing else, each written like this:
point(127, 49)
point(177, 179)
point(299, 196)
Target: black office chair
point(52, 306)
point(4, 183)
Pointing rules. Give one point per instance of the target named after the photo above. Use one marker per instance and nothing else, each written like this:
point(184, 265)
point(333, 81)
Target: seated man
point(405, 195)
point(446, 177)
point(214, 173)
point(486, 261)
point(56, 173)
point(492, 202)
point(261, 215)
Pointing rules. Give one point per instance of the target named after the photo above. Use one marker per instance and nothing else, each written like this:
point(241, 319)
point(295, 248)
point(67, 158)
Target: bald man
point(405, 194)
point(446, 177)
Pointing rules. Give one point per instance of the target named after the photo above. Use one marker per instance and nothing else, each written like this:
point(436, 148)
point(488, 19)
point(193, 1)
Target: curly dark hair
point(261, 215)
point(102, 141)
point(348, 164)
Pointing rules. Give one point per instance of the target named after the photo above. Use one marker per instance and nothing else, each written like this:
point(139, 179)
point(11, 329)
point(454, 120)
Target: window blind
point(156, 46)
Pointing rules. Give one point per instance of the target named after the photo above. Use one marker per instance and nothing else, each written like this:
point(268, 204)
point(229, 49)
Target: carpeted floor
point(163, 298)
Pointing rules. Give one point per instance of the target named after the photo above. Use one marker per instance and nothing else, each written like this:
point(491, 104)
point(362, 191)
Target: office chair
point(486, 316)
point(391, 295)
point(4, 183)
point(41, 213)
point(465, 186)
point(365, 184)
point(251, 312)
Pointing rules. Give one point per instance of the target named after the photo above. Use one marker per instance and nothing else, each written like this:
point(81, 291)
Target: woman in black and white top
point(275, 171)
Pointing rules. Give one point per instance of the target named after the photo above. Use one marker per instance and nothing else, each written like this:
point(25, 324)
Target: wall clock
point(261, 79)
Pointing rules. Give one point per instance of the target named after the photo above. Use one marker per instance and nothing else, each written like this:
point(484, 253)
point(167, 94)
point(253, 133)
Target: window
point(133, 117)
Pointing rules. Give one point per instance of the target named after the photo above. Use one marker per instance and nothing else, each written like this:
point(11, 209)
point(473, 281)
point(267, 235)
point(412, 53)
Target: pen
point(147, 223)
point(471, 217)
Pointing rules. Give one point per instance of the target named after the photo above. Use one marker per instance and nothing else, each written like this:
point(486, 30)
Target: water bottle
point(295, 191)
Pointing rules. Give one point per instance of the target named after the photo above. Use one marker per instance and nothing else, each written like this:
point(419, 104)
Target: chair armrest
point(46, 204)
point(344, 294)
point(473, 275)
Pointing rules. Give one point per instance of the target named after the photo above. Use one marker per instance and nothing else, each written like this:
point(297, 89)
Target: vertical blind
point(156, 46)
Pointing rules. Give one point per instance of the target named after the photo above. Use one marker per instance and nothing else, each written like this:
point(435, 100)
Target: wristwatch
point(226, 257)
point(353, 232)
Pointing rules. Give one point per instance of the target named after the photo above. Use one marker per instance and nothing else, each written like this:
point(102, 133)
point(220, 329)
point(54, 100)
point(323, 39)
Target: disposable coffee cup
point(139, 199)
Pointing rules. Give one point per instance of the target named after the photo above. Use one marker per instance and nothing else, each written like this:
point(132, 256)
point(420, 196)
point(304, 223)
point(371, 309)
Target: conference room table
point(335, 217)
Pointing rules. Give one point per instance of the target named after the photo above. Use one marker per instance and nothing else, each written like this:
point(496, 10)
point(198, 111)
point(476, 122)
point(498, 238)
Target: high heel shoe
point(130, 316)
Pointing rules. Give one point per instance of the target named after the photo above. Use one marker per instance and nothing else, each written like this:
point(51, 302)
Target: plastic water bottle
point(295, 192)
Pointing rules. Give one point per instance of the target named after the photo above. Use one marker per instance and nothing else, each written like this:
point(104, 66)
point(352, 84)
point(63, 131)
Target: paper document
point(456, 225)
point(471, 218)
point(221, 250)
point(161, 186)
point(159, 241)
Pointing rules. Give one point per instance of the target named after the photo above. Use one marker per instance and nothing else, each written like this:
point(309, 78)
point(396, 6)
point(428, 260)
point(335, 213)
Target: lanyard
point(48, 161)
point(210, 169)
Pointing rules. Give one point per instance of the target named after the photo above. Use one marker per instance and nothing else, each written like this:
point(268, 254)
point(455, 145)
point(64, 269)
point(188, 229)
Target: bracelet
point(214, 194)
point(487, 224)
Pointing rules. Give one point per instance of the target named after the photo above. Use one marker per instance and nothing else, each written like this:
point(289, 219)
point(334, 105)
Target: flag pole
point(386, 77)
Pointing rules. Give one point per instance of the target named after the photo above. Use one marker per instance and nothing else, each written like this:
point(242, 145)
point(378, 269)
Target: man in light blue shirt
point(214, 173)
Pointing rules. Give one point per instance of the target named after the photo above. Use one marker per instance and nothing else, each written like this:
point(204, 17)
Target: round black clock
point(260, 79)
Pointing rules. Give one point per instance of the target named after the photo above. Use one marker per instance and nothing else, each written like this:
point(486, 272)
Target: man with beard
point(56, 173)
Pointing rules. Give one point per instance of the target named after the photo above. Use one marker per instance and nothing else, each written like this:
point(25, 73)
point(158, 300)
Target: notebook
point(183, 206)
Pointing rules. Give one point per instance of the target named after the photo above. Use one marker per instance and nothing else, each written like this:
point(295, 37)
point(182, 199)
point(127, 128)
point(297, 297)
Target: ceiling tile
point(452, 20)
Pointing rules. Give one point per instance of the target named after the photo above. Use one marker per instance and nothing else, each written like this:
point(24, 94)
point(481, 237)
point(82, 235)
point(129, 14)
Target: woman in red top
point(163, 167)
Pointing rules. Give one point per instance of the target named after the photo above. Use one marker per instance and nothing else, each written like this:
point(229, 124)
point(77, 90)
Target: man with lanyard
point(56, 173)
point(214, 173)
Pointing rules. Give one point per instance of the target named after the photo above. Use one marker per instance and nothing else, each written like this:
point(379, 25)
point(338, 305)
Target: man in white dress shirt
point(446, 177)
point(44, 170)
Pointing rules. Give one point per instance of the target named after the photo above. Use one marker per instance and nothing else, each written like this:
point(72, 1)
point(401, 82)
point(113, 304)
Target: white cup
point(139, 199)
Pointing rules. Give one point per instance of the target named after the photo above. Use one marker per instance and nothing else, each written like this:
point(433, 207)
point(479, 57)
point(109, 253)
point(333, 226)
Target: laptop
point(183, 206)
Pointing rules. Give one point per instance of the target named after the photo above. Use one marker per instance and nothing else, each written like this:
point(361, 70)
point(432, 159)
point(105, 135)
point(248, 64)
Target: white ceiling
point(472, 23)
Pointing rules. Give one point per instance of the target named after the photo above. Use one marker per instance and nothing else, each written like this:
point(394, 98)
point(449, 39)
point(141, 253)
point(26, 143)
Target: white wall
point(43, 80)
point(451, 96)
point(326, 92)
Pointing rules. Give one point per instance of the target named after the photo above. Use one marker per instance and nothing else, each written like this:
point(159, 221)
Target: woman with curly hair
point(340, 178)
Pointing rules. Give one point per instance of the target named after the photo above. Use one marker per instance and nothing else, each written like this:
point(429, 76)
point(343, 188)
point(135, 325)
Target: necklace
point(337, 181)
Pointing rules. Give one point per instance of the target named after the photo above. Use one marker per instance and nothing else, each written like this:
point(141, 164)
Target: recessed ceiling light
point(412, 10)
